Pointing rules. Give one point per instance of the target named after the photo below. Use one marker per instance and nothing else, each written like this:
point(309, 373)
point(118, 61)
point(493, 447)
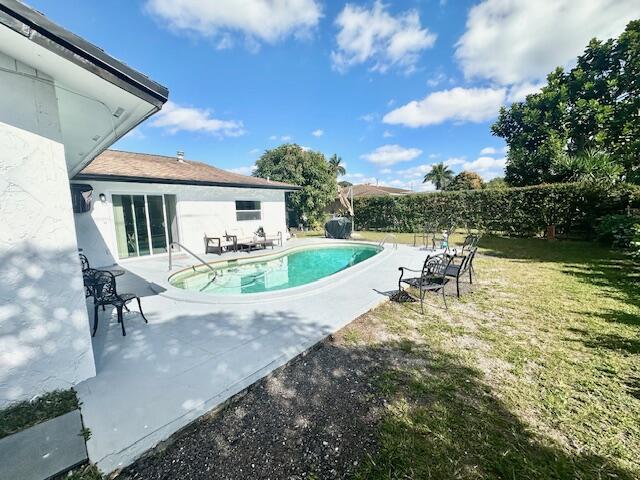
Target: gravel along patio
point(535, 374)
point(197, 351)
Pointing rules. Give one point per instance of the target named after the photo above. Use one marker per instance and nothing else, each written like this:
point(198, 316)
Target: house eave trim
point(40, 30)
point(167, 181)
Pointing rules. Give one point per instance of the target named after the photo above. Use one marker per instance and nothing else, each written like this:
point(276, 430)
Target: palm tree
point(590, 165)
point(338, 169)
point(440, 175)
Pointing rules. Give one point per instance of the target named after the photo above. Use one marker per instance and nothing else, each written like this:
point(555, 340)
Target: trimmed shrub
point(621, 231)
point(524, 211)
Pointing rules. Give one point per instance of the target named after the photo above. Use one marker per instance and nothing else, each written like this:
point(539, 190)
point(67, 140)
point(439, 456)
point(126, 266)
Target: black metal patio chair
point(458, 270)
point(470, 242)
point(432, 278)
point(105, 293)
point(87, 274)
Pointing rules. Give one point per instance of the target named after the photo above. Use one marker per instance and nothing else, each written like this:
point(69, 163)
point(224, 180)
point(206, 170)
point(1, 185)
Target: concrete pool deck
point(192, 356)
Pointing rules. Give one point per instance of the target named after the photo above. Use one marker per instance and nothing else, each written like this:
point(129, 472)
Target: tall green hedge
point(572, 207)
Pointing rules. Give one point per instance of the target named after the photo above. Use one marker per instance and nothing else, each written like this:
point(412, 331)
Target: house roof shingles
point(116, 165)
point(367, 190)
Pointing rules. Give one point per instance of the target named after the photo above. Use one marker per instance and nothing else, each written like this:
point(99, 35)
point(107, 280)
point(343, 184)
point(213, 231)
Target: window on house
point(248, 210)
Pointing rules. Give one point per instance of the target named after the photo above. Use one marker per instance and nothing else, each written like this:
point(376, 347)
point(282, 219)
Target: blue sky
point(390, 87)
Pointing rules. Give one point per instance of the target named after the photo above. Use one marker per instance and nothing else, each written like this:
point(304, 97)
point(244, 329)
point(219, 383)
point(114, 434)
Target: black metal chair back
point(84, 261)
point(104, 287)
point(435, 267)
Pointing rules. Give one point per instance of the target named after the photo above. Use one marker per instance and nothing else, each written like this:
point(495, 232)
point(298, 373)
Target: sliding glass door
point(141, 224)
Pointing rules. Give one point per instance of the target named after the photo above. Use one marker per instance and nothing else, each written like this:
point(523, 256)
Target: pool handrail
point(193, 255)
point(384, 239)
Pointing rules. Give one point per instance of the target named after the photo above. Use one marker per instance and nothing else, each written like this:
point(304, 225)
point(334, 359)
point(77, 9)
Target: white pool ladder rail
point(384, 239)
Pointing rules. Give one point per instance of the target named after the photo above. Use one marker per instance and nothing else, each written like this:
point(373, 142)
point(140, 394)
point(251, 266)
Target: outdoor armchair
point(432, 278)
point(274, 238)
point(216, 244)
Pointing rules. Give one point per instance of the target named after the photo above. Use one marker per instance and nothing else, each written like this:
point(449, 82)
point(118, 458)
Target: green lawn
point(535, 374)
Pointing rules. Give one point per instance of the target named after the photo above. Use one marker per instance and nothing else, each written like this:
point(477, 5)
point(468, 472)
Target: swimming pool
point(291, 268)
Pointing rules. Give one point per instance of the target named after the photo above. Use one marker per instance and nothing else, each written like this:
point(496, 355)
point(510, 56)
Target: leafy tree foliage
point(344, 183)
point(591, 166)
point(440, 175)
point(497, 182)
point(466, 181)
point(595, 105)
point(310, 170)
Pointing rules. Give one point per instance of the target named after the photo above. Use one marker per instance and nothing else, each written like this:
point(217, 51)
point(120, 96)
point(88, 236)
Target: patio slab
point(192, 356)
point(43, 450)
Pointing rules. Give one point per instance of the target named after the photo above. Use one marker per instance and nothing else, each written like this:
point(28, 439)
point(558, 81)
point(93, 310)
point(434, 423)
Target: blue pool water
point(289, 269)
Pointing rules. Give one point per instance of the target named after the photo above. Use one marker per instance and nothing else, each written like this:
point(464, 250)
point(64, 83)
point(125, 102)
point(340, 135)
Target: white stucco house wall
point(143, 202)
point(63, 101)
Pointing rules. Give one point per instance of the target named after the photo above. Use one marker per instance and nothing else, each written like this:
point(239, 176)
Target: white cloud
point(484, 163)
point(359, 178)
point(282, 138)
point(246, 170)
point(518, 93)
point(317, 133)
point(488, 151)
point(434, 155)
point(436, 79)
point(453, 161)
point(374, 35)
point(391, 154)
point(513, 41)
point(458, 104)
point(387, 134)
point(418, 171)
point(175, 118)
point(256, 20)
point(368, 117)
point(386, 171)
point(254, 151)
point(413, 185)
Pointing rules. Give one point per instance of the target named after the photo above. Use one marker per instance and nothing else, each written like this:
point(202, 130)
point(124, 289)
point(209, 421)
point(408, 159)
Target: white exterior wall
point(45, 341)
point(200, 210)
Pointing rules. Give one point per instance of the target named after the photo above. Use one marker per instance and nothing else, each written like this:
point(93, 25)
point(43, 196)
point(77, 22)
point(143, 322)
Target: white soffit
point(86, 102)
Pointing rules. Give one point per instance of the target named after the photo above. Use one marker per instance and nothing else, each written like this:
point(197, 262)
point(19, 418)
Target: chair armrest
point(217, 240)
point(410, 269)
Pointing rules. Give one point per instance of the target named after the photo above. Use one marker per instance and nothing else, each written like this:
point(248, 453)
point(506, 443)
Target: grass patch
point(536, 374)
point(27, 414)
point(85, 472)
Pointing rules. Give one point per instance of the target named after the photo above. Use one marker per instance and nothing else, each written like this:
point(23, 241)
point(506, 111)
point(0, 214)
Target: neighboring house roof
point(119, 166)
point(37, 28)
point(367, 190)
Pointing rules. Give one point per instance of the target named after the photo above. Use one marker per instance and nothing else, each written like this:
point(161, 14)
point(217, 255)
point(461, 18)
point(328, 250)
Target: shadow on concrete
point(396, 410)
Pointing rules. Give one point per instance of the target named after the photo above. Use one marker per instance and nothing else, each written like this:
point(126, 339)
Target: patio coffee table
point(255, 244)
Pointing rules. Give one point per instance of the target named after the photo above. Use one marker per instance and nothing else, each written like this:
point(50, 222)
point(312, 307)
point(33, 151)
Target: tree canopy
point(595, 105)
point(310, 170)
point(440, 175)
point(466, 181)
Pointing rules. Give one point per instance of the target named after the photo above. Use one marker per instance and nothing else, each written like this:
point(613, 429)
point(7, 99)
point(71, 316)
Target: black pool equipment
point(339, 227)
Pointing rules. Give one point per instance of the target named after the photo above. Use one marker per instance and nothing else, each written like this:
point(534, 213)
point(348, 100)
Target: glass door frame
point(135, 226)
